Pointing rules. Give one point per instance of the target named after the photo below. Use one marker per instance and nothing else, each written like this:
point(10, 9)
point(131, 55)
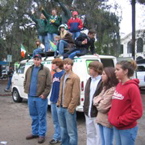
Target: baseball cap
point(38, 56)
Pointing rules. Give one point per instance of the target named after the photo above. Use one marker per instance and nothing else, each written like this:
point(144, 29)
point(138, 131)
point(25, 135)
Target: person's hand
point(52, 21)
point(41, 8)
point(85, 41)
point(32, 12)
point(42, 96)
point(95, 54)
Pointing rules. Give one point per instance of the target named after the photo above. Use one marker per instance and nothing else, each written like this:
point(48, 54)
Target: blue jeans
point(44, 40)
point(56, 135)
point(51, 38)
point(38, 112)
point(9, 83)
point(73, 54)
point(62, 44)
point(126, 136)
point(37, 51)
point(106, 135)
point(75, 34)
point(68, 125)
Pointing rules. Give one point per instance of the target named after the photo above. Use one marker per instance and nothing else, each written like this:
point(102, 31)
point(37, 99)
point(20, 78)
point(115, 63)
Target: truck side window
point(107, 62)
point(140, 68)
point(21, 68)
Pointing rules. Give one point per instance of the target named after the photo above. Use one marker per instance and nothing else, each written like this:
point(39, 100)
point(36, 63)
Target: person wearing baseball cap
point(75, 24)
point(37, 85)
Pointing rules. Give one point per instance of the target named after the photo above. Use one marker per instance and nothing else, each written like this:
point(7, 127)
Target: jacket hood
point(83, 36)
point(132, 81)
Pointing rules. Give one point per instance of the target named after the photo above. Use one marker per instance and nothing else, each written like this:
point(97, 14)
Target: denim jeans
point(62, 44)
point(51, 38)
point(9, 83)
point(44, 40)
point(106, 135)
point(38, 112)
point(68, 125)
point(37, 51)
point(56, 135)
point(75, 34)
point(73, 54)
point(126, 136)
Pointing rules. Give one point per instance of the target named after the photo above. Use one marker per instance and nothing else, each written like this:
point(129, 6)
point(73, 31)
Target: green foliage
point(16, 27)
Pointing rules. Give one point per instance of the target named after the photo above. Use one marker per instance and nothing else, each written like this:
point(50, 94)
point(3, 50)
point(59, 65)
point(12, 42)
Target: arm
point(45, 14)
point(80, 24)
point(57, 22)
point(136, 107)
point(33, 18)
point(75, 95)
point(80, 39)
point(92, 47)
point(47, 84)
point(105, 103)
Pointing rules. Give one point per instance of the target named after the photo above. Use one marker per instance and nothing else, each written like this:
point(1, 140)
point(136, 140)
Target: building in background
point(126, 45)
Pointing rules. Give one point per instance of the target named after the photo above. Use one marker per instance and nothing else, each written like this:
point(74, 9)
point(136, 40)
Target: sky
point(125, 25)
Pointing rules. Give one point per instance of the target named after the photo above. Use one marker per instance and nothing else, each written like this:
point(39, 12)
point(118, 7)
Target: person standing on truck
point(37, 85)
point(57, 66)
point(10, 74)
point(75, 24)
point(103, 105)
point(53, 22)
point(41, 26)
point(127, 105)
point(69, 99)
point(93, 88)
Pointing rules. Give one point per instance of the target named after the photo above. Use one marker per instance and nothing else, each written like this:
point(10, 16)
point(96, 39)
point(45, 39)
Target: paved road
point(15, 122)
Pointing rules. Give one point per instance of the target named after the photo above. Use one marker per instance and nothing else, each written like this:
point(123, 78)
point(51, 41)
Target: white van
point(140, 74)
point(79, 67)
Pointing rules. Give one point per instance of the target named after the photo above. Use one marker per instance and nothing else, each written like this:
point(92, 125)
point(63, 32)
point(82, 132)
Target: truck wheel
point(16, 97)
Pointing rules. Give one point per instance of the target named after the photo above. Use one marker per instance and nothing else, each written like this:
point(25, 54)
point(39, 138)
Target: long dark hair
point(112, 80)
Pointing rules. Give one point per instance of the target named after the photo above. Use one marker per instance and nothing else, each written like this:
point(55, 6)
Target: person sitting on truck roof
point(66, 40)
point(83, 43)
point(39, 49)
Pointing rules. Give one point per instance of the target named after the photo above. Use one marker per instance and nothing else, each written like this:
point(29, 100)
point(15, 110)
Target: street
point(15, 122)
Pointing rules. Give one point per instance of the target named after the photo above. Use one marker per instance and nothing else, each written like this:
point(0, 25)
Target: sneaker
point(7, 90)
point(53, 141)
point(41, 139)
point(31, 136)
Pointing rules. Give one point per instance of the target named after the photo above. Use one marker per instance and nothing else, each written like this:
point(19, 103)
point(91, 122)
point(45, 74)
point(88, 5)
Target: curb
point(5, 94)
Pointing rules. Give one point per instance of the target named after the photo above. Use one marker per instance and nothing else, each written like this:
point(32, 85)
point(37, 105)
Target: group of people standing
point(112, 103)
point(51, 30)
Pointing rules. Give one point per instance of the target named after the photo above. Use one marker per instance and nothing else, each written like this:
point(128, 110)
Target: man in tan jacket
point(69, 99)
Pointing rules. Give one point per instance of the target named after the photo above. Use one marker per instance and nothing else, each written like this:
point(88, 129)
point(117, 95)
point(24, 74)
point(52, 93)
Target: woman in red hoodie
point(126, 104)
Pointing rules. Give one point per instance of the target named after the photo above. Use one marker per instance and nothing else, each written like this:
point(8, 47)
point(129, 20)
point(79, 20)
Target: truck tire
point(15, 96)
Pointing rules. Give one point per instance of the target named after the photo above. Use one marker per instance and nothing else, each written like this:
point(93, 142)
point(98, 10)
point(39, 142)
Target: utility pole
point(133, 2)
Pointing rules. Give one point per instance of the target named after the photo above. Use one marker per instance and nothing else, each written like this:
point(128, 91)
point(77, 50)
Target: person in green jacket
point(41, 26)
point(66, 12)
point(53, 22)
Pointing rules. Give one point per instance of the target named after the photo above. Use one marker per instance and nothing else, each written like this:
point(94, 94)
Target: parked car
point(4, 74)
point(140, 74)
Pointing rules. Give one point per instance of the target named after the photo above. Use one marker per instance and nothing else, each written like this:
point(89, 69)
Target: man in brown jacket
point(37, 85)
point(69, 99)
